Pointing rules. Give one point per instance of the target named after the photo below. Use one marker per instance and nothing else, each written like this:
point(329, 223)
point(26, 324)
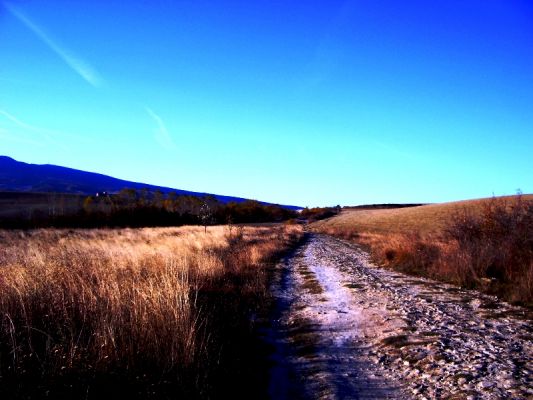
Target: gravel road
point(347, 329)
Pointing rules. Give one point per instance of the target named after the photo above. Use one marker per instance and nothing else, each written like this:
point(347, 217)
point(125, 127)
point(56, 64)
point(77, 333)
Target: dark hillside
point(16, 176)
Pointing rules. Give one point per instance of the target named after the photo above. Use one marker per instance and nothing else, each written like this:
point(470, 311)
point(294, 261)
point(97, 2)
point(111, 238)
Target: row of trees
point(135, 208)
point(317, 213)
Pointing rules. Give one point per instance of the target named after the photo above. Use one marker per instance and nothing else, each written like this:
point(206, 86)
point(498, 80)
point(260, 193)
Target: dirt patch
point(375, 333)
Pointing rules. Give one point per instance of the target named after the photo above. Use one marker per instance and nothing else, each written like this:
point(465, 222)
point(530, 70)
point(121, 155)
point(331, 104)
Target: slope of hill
point(428, 219)
point(16, 176)
point(484, 243)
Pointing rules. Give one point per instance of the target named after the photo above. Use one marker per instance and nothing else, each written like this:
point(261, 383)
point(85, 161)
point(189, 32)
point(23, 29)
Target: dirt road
point(347, 329)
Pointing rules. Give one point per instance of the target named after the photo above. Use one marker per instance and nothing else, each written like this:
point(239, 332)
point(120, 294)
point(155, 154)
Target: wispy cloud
point(161, 134)
point(83, 69)
point(43, 133)
point(33, 134)
point(6, 135)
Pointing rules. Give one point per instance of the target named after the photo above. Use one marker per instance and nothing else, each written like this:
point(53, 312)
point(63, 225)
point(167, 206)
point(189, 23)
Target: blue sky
point(307, 103)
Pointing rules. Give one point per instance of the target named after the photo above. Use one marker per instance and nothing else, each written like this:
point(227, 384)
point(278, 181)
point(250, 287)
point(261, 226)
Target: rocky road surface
point(347, 329)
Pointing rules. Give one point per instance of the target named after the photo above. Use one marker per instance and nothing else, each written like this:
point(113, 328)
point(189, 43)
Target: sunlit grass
point(484, 243)
point(428, 220)
point(124, 301)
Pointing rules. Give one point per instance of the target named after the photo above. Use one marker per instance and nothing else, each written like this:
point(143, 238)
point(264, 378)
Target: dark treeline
point(134, 208)
point(317, 213)
point(382, 206)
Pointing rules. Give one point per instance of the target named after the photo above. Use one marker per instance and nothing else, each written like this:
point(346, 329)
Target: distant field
point(29, 205)
point(424, 220)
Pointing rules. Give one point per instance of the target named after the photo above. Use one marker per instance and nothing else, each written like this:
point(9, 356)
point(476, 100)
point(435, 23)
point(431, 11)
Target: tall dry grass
point(141, 309)
point(486, 245)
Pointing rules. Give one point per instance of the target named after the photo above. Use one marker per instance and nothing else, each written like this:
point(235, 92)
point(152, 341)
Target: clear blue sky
point(296, 102)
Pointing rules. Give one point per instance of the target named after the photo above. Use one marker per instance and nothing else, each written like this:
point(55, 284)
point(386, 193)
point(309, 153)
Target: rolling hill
point(17, 176)
point(429, 219)
point(484, 244)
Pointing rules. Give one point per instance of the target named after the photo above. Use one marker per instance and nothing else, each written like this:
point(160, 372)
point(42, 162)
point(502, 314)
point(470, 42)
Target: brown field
point(485, 243)
point(427, 220)
point(152, 311)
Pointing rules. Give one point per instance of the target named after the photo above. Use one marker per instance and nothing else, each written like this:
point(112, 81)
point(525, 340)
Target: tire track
point(346, 329)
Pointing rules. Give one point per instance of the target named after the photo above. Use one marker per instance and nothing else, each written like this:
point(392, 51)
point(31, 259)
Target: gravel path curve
point(347, 329)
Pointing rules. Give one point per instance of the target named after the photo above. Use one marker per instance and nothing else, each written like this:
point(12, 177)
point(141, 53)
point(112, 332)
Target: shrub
point(489, 247)
point(318, 213)
point(496, 244)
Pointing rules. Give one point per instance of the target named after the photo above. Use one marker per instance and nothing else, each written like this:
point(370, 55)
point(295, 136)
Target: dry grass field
point(151, 312)
point(483, 243)
point(428, 220)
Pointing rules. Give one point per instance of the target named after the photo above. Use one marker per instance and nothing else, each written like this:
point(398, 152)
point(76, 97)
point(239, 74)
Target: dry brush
point(142, 308)
point(485, 244)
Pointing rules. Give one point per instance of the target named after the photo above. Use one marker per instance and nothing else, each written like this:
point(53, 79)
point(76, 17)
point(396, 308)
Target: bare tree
point(205, 215)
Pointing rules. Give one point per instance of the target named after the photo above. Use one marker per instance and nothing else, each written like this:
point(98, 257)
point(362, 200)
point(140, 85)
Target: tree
point(128, 197)
point(158, 199)
point(88, 204)
point(205, 215)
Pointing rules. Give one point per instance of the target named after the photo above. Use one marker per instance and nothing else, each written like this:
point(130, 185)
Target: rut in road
point(347, 329)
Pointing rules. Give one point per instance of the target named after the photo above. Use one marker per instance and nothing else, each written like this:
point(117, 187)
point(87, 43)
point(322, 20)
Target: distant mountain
point(17, 176)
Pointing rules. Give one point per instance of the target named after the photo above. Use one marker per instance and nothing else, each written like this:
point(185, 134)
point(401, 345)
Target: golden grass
point(483, 243)
point(428, 220)
point(122, 301)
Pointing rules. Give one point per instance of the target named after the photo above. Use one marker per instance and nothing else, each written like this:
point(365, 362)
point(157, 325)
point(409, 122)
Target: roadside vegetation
point(485, 244)
point(135, 313)
point(318, 213)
